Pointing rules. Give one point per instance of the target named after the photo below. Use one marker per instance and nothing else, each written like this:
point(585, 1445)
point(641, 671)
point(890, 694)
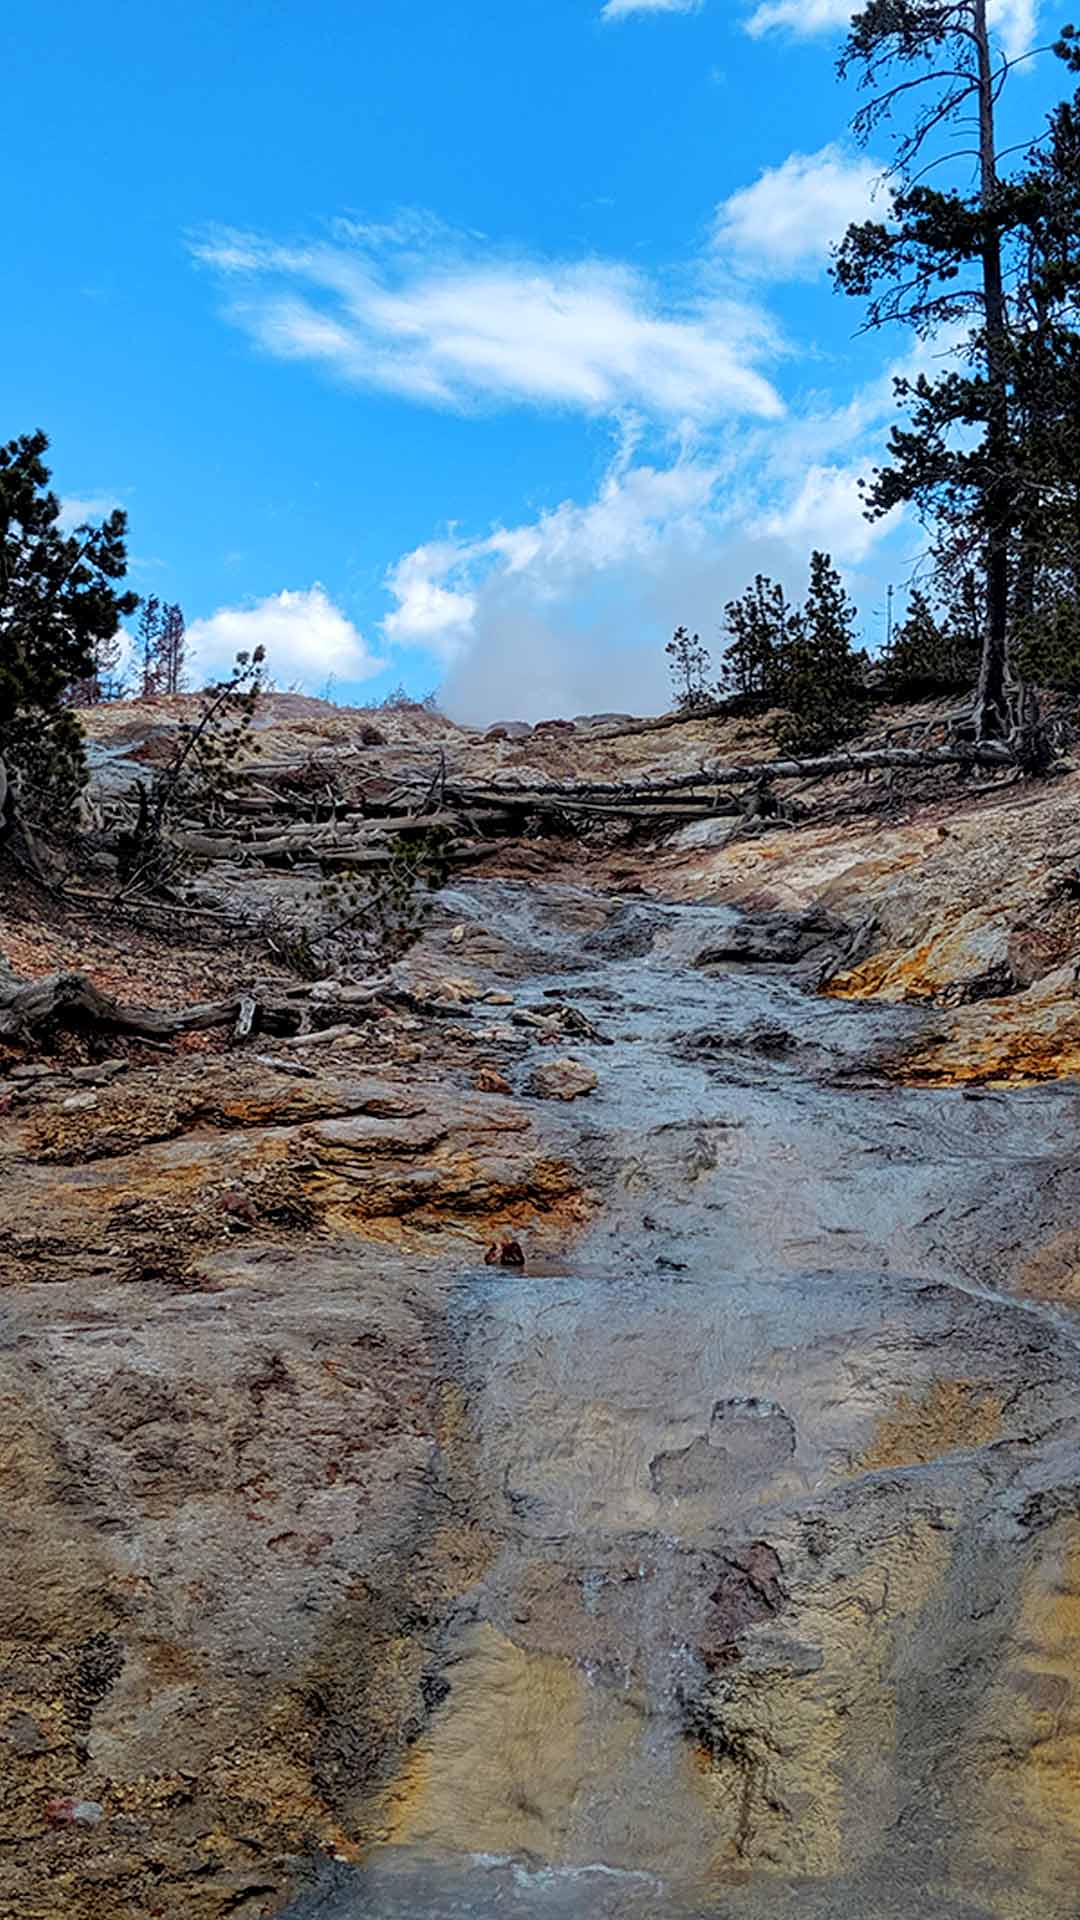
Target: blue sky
point(470, 346)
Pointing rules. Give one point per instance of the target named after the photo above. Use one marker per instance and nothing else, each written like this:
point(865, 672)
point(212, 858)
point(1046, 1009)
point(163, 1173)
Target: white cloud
point(306, 637)
point(621, 9)
point(453, 326)
point(827, 512)
point(804, 17)
point(569, 613)
point(428, 610)
point(1014, 21)
point(785, 223)
point(75, 509)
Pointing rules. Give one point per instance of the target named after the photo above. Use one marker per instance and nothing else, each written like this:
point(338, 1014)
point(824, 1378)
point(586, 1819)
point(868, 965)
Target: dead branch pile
point(276, 819)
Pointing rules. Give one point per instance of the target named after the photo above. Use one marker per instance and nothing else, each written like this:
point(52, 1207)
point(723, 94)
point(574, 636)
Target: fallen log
point(464, 856)
point(27, 1005)
point(368, 849)
point(745, 773)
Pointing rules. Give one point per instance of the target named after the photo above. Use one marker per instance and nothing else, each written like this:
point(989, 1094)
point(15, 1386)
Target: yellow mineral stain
point(803, 1779)
point(772, 1781)
point(894, 974)
point(1001, 1055)
point(531, 1754)
point(1027, 1746)
point(951, 1415)
point(1052, 1272)
point(509, 1757)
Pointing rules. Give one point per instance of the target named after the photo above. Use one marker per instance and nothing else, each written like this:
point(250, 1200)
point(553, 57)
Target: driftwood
point(26, 1005)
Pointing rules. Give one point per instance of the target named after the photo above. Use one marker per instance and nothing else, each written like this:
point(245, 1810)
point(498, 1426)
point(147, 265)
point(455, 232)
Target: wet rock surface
point(767, 1472)
point(723, 1559)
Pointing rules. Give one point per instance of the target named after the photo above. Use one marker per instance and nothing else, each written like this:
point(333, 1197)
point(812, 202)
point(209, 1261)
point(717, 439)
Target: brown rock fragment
point(490, 1081)
point(562, 1080)
point(505, 1253)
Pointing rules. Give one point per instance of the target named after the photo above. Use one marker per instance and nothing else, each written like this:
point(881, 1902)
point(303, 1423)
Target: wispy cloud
point(76, 509)
point(451, 324)
point(802, 17)
point(1014, 21)
point(785, 223)
point(307, 639)
point(622, 9)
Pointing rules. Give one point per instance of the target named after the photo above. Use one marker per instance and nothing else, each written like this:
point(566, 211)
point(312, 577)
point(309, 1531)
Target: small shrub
point(690, 666)
point(199, 773)
point(398, 701)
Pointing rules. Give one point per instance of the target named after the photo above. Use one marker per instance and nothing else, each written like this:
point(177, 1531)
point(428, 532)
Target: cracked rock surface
point(725, 1560)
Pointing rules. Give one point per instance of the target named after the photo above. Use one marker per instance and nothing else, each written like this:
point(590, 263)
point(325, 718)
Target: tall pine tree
point(938, 259)
point(171, 651)
point(148, 642)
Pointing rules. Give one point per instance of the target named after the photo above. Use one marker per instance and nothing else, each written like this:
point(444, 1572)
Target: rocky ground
point(724, 1558)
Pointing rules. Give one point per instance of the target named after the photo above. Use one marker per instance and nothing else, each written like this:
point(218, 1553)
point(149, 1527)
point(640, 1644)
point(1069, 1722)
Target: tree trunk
point(992, 714)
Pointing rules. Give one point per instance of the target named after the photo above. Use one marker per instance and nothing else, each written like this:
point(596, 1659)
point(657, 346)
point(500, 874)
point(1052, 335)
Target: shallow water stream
point(782, 1612)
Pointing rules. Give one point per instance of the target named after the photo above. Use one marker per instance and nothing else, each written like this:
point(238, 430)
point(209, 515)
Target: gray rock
point(701, 836)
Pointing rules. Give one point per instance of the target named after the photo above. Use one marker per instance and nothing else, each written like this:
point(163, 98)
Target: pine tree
point(939, 259)
point(59, 602)
point(108, 654)
point(911, 660)
point(149, 642)
point(758, 628)
point(935, 651)
point(690, 666)
point(818, 675)
point(170, 654)
point(1045, 350)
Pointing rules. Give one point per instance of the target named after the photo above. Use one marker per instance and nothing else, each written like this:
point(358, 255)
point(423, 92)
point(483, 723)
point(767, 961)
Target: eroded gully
point(783, 1614)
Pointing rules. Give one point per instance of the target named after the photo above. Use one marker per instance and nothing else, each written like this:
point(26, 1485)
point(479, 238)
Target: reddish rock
point(488, 1081)
point(505, 1253)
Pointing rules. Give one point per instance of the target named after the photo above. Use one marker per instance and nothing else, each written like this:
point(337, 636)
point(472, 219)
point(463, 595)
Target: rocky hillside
point(579, 1415)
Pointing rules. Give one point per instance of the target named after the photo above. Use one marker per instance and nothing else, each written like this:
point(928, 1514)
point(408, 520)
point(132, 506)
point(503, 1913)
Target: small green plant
point(199, 773)
point(690, 666)
point(386, 905)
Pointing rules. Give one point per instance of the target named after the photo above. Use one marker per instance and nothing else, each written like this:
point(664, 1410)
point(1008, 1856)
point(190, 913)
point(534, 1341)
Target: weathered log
point(27, 1005)
point(746, 773)
point(327, 842)
point(470, 852)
